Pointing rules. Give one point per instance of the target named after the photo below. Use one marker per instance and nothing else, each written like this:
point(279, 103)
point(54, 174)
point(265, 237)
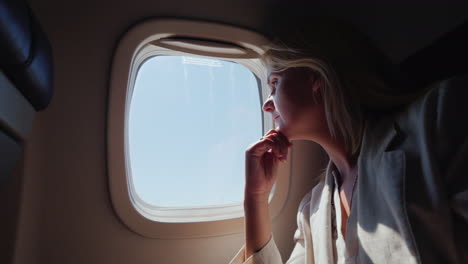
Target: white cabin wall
point(66, 214)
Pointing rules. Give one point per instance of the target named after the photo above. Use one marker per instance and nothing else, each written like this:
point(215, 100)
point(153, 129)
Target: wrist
point(256, 198)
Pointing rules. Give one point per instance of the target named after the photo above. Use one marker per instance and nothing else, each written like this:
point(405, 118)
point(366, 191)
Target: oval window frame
point(138, 44)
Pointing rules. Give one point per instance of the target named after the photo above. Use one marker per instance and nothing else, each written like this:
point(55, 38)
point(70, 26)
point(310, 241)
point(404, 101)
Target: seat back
point(444, 58)
point(25, 87)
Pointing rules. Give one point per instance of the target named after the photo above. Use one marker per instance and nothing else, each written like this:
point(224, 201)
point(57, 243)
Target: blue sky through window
point(190, 121)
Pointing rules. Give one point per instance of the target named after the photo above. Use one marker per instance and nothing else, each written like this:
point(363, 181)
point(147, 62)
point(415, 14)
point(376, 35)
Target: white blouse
point(318, 238)
point(345, 250)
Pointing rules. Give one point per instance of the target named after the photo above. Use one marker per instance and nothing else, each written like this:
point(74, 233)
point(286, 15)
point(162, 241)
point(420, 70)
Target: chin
point(291, 134)
point(284, 131)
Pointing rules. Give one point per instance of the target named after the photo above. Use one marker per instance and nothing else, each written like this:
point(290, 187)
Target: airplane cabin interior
point(72, 76)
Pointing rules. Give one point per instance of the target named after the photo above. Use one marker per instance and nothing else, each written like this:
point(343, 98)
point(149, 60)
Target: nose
point(268, 106)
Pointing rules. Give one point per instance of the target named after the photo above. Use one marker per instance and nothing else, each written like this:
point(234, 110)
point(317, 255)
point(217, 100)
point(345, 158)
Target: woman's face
point(295, 103)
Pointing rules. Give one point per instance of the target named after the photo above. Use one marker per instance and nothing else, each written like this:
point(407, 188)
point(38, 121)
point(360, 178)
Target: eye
point(273, 84)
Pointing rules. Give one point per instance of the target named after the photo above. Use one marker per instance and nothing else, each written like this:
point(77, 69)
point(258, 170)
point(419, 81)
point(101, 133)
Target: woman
point(388, 192)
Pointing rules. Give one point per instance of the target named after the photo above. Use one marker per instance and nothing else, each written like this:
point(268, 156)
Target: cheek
point(285, 107)
point(298, 91)
point(280, 103)
point(301, 96)
point(291, 103)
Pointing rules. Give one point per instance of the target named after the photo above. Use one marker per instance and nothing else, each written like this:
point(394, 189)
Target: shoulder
point(443, 101)
point(440, 105)
point(433, 126)
point(440, 115)
point(449, 98)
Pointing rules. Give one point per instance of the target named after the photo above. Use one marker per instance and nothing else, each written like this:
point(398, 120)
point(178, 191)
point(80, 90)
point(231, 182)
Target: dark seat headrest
point(444, 58)
point(25, 52)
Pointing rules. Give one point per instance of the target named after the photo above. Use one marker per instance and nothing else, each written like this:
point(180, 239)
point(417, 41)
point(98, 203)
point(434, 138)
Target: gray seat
point(26, 76)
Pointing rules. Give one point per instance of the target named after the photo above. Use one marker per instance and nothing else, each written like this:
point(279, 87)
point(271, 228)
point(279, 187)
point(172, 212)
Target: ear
point(317, 85)
point(316, 82)
point(314, 79)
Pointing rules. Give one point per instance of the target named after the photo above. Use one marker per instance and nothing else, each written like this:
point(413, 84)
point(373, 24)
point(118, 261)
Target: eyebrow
point(269, 77)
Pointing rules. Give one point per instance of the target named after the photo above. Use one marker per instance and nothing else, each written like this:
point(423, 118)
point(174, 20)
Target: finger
point(286, 143)
point(281, 149)
point(282, 144)
point(272, 144)
point(271, 131)
point(280, 139)
point(279, 144)
point(268, 133)
point(283, 137)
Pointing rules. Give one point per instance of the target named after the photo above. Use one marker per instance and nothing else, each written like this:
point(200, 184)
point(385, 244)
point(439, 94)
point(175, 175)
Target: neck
point(344, 161)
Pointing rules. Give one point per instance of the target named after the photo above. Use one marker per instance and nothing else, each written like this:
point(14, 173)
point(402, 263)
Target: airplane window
point(190, 121)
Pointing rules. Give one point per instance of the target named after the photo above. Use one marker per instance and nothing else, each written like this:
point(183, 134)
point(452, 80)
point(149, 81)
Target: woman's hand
point(261, 163)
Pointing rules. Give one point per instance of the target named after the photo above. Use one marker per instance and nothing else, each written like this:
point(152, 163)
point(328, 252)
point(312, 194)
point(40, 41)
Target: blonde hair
point(356, 77)
point(338, 114)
